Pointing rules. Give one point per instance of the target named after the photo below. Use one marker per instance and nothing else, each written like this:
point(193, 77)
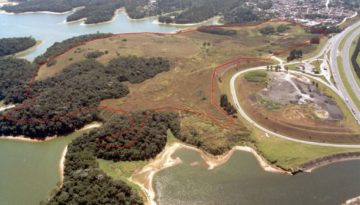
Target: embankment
point(330, 159)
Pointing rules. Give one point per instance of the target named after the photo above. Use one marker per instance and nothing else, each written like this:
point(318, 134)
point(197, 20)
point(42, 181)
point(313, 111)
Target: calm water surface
point(242, 181)
point(29, 171)
point(50, 28)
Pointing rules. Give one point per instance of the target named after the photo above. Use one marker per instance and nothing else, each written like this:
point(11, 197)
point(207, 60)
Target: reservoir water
point(242, 181)
point(29, 170)
point(50, 28)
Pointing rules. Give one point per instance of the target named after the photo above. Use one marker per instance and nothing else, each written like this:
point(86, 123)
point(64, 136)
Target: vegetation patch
point(58, 48)
point(15, 75)
point(94, 54)
point(268, 103)
point(217, 31)
point(256, 76)
point(211, 138)
point(80, 86)
point(354, 58)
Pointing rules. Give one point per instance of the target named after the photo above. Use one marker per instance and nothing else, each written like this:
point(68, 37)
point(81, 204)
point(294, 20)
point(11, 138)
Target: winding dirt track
point(133, 125)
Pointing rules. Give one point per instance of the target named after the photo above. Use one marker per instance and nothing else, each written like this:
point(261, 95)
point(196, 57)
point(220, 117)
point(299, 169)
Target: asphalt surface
point(334, 53)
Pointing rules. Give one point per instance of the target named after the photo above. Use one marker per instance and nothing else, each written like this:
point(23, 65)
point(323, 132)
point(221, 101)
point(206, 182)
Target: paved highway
point(334, 52)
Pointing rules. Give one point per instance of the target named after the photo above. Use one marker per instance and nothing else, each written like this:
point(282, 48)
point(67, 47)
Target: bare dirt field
point(297, 107)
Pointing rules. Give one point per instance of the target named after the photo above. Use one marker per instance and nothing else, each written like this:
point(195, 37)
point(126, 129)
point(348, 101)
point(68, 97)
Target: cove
point(242, 181)
point(29, 170)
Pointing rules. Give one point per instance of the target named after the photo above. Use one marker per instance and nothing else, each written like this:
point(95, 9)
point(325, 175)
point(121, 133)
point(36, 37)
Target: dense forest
point(233, 11)
point(354, 57)
point(85, 183)
point(97, 12)
point(15, 75)
point(144, 141)
point(94, 11)
point(10, 46)
point(79, 86)
point(183, 11)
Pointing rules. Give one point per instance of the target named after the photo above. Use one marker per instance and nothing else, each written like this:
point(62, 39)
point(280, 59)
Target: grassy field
point(289, 155)
point(352, 49)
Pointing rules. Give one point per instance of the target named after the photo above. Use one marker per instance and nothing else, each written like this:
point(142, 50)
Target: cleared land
point(297, 107)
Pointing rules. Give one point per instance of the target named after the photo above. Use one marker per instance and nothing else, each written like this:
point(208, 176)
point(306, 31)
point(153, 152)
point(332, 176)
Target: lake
point(29, 170)
point(50, 28)
point(242, 181)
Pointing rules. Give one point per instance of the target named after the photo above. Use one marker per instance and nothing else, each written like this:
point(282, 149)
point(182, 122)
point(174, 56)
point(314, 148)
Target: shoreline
point(62, 165)
point(32, 140)
point(115, 15)
point(144, 177)
point(42, 12)
point(23, 53)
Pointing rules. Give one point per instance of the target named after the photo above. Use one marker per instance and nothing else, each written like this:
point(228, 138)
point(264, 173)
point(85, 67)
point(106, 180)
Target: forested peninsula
point(44, 107)
point(10, 46)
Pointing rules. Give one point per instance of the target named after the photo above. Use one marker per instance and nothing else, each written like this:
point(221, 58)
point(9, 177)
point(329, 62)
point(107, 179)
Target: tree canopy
point(10, 46)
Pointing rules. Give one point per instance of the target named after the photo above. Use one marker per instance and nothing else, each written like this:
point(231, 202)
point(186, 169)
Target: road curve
point(252, 122)
point(336, 74)
point(347, 61)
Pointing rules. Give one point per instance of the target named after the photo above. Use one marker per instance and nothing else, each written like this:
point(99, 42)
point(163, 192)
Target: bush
point(268, 30)
point(217, 31)
point(94, 54)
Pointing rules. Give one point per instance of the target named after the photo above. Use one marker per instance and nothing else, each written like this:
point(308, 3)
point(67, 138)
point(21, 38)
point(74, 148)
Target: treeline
point(85, 183)
point(15, 75)
point(97, 12)
point(94, 11)
point(60, 47)
point(79, 86)
point(354, 58)
point(217, 31)
point(9, 46)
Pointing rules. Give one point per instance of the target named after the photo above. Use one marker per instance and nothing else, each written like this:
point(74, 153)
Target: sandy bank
point(62, 165)
point(353, 201)
point(144, 177)
point(25, 52)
